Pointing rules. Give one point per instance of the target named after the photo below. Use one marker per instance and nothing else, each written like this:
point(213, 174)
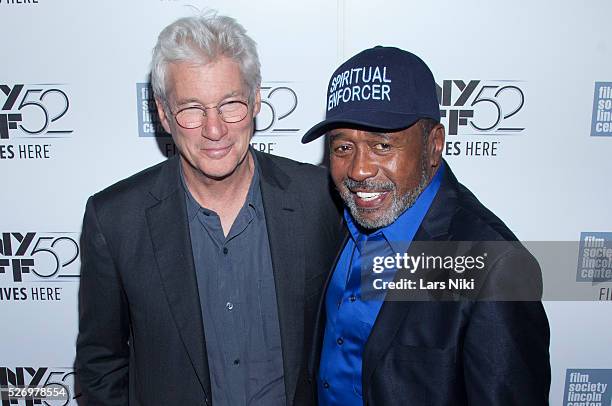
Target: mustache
point(368, 185)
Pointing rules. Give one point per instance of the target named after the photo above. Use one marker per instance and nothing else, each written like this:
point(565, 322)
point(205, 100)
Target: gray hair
point(427, 124)
point(204, 39)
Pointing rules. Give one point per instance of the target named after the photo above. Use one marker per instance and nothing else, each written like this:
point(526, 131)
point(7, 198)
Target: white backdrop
point(527, 74)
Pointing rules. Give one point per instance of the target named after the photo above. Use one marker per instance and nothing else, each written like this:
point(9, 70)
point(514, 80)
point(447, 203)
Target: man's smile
point(370, 200)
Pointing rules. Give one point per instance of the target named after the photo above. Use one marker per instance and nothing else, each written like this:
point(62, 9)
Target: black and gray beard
point(398, 203)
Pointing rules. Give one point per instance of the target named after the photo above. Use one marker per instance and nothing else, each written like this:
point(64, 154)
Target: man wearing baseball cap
point(378, 341)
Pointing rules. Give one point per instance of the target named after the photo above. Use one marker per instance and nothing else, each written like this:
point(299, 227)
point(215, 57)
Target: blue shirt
point(351, 310)
point(238, 302)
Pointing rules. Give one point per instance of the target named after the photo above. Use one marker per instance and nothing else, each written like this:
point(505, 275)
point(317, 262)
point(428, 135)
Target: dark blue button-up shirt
point(352, 307)
point(238, 302)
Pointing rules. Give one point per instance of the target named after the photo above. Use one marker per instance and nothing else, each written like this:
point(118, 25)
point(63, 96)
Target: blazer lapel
point(283, 218)
point(435, 226)
point(167, 220)
point(388, 322)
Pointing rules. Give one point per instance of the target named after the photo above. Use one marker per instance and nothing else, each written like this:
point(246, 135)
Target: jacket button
point(326, 385)
point(340, 341)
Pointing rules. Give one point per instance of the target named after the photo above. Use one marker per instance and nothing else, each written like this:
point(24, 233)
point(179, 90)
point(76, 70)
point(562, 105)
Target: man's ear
point(435, 146)
point(161, 112)
point(257, 103)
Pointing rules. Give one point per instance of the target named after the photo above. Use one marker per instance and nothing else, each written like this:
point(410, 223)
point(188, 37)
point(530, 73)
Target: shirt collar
point(253, 198)
point(400, 233)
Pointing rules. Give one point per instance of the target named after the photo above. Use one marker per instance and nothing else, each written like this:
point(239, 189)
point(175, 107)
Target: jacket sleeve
point(506, 358)
point(102, 343)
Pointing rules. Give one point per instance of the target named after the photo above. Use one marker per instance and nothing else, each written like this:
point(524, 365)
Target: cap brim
point(386, 121)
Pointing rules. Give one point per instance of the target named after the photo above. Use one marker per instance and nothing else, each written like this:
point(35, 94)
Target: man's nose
point(362, 166)
point(214, 127)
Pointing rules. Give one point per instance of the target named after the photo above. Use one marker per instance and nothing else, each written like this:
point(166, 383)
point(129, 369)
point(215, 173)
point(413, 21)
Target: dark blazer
point(464, 352)
point(141, 337)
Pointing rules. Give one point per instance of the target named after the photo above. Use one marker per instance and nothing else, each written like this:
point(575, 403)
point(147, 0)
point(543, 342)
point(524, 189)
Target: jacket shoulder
point(295, 167)
point(302, 175)
point(474, 221)
point(131, 190)
point(512, 272)
point(309, 183)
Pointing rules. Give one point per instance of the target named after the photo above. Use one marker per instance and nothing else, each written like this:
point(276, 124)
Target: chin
point(371, 219)
point(217, 171)
point(222, 168)
point(372, 224)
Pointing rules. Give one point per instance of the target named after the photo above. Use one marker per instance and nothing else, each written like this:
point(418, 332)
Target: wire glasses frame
point(195, 116)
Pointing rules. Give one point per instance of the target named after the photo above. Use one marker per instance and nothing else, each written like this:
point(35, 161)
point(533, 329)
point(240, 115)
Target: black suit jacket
point(462, 352)
point(141, 335)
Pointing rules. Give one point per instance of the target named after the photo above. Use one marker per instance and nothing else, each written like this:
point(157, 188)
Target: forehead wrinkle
point(188, 100)
point(384, 136)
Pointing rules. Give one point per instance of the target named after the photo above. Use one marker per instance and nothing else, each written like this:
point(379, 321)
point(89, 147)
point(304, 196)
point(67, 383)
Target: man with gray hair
point(201, 275)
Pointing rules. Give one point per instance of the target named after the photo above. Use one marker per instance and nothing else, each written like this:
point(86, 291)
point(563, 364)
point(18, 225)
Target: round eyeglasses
point(194, 117)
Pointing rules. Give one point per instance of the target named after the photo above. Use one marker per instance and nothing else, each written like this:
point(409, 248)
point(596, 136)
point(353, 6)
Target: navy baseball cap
point(381, 88)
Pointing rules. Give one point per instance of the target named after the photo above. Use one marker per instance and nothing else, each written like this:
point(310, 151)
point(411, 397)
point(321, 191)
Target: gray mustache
point(368, 185)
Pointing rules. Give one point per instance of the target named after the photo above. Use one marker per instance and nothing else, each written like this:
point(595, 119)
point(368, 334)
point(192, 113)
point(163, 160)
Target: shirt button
point(352, 298)
point(229, 306)
point(340, 341)
point(225, 250)
point(236, 362)
point(325, 385)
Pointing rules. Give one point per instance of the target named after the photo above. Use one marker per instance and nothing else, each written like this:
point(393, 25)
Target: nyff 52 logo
point(33, 111)
point(278, 102)
point(60, 380)
point(38, 255)
point(481, 107)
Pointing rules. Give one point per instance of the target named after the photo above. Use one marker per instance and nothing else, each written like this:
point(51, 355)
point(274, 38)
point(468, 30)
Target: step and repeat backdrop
point(525, 93)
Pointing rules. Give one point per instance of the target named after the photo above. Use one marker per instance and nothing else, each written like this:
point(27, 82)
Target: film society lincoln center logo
point(32, 116)
point(601, 123)
point(277, 117)
point(34, 266)
point(588, 387)
point(595, 257)
point(595, 262)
